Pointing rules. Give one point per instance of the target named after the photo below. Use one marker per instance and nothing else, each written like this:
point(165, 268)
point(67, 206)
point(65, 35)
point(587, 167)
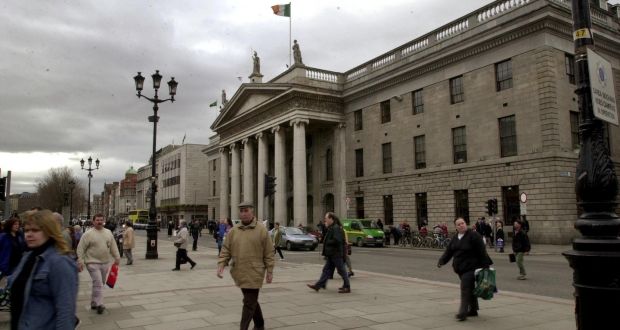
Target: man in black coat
point(520, 246)
point(469, 253)
point(333, 250)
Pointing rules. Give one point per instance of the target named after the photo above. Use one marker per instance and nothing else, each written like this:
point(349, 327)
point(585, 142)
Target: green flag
point(214, 104)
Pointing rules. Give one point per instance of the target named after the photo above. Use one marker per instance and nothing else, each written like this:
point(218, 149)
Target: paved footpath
point(150, 296)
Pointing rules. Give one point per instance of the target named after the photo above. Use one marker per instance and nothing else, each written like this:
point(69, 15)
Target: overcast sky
point(67, 67)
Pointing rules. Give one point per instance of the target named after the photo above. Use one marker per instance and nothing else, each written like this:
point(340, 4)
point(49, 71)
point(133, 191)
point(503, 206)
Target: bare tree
point(53, 186)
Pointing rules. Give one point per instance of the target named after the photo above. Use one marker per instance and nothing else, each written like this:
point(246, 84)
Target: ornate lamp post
point(71, 187)
point(90, 176)
point(595, 257)
point(151, 228)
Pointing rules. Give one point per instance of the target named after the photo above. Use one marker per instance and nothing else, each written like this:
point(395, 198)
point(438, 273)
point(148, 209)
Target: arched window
point(329, 169)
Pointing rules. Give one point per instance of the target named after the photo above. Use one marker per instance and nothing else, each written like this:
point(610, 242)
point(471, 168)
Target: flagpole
point(290, 18)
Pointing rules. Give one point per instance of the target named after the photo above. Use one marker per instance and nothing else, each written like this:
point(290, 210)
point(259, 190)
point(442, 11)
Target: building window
point(508, 136)
point(456, 90)
point(359, 207)
point(385, 112)
point(421, 209)
point(418, 101)
point(214, 189)
point(359, 162)
point(359, 124)
point(459, 145)
point(461, 204)
point(419, 151)
point(503, 75)
point(574, 129)
point(386, 149)
point(511, 203)
point(388, 211)
point(569, 64)
point(329, 171)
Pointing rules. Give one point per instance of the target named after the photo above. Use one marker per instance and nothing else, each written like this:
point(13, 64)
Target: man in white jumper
point(97, 249)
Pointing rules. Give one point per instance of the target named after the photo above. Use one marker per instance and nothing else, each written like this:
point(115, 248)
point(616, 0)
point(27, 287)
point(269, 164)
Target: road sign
point(602, 88)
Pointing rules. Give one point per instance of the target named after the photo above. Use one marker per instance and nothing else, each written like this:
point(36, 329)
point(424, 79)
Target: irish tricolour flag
point(282, 10)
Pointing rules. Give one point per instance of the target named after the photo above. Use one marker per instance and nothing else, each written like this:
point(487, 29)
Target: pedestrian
point(249, 245)
point(277, 238)
point(44, 285)
point(97, 250)
point(65, 234)
point(499, 233)
point(333, 251)
point(12, 246)
point(78, 235)
point(222, 229)
point(181, 244)
point(170, 227)
point(195, 231)
point(380, 224)
point(520, 246)
point(129, 242)
point(469, 253)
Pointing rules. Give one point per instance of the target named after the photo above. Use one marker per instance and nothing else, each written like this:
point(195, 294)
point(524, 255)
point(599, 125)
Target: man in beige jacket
point(249, 250)
point(96, 250)
point(181, 244)
point(128, 242)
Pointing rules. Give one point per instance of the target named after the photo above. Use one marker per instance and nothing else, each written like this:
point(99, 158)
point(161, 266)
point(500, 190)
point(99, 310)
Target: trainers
point(93, 306)
point(176, 269)
point(521, 277)
point(100, 309)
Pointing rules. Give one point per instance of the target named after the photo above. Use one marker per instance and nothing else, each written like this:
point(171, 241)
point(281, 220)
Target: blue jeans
point(328, 269)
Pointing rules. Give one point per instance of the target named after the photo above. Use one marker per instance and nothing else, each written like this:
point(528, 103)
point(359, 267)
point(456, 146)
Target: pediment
point(247, 98)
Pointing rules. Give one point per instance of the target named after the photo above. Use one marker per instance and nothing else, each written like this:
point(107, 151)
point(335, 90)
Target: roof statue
point(256, 60)
point(297, 53)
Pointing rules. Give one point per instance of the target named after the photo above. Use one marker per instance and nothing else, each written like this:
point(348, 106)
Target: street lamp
point(90, 176)
point(71, 187)
point(151, 228)
point(595, 257)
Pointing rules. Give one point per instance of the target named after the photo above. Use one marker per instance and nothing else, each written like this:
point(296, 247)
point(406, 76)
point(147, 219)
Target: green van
point(363, 232)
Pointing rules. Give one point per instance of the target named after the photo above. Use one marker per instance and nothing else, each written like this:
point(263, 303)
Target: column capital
point(259, 135)
point(299, 121)
point(233, 146)
point(341, 125)
point(276, 129)
point(245, 141)
point(223, 150)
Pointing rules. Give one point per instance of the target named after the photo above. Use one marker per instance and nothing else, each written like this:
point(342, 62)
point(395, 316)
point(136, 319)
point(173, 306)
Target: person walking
point(195, 229)
point(333, 251)
point(181, 244)
point(469, 253)
point(219, 235)
point(520, 246)
point(96, 250)
point(499, 234)
point(170, 228)
point(44, 285)
point(129, 242)
point(277, 238)
point(12, 246)
point(249, 246)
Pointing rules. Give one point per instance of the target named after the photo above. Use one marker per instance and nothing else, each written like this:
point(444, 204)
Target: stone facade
point(504, 65)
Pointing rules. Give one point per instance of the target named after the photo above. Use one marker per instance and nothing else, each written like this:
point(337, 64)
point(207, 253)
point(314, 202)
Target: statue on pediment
point(256, 61)
point(297, 53)
point(224, 100)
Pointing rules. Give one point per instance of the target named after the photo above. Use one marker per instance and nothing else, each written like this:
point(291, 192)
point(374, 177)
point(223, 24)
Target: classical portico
point(283, 130)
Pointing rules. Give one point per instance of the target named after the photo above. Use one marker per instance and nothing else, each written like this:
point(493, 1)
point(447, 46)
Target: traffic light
point(494, 205)
point(270, 185)
point(2, 188)
point(490, 207)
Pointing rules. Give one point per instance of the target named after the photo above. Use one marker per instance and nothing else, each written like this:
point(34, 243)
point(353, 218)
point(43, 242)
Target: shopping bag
point(112, 276)
point(512, 257)
point(485, 283)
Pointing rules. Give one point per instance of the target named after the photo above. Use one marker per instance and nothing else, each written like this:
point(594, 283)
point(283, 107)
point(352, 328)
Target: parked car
point(363, 232)
point(295, 238)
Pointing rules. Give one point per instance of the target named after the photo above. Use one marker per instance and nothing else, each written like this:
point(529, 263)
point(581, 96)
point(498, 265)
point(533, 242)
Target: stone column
point(248, 171)
point(235, 177)
point(280, 174)
point(224, 210)
point(300, 186)
point(263, 163)
point(339, 166)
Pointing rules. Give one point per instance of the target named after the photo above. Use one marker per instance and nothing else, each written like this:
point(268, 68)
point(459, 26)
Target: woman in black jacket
point(469, 252)
point(333, 250)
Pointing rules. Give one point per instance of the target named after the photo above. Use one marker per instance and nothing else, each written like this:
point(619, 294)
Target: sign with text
point(602, 88)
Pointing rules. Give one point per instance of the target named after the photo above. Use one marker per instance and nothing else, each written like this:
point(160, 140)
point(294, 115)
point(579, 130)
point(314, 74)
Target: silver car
point(294, 238)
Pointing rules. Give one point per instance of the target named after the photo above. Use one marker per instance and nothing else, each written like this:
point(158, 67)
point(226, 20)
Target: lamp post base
point(151, 246)
point(596, 279)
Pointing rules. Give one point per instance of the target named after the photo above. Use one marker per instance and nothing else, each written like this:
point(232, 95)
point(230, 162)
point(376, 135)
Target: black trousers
point(279, 250)
point(183, 258)
point(469, 302)
point(195, 244)
point(251, 310)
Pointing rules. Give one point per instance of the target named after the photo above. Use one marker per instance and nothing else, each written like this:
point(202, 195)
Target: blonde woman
point(45, 283)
